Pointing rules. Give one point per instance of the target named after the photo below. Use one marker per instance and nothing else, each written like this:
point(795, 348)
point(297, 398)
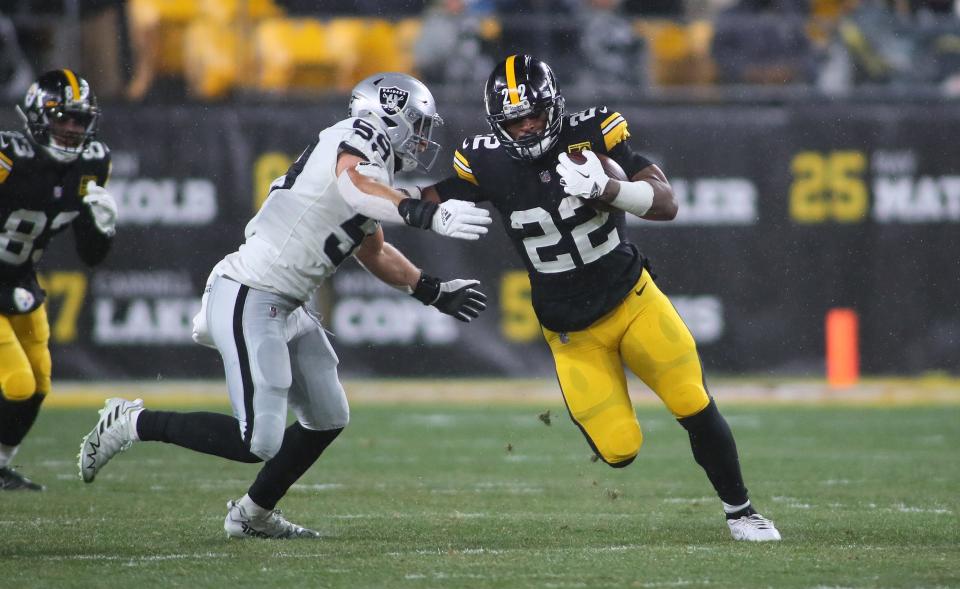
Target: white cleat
point(113, 434)
point(753, 528)
point(272, 524)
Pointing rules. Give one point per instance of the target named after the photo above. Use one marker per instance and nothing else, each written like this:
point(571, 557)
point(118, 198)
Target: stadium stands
point(216, 49)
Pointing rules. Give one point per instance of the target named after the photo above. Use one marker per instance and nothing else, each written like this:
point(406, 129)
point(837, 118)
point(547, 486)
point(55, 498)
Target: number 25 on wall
point(828, 187)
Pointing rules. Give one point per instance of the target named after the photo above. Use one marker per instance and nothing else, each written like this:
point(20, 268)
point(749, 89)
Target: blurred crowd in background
point(214, 50)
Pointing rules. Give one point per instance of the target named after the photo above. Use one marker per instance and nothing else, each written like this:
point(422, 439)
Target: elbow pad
point(367, 205)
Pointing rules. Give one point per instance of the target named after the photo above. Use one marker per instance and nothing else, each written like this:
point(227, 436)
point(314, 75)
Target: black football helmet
point(60, 113)
point(518, 87)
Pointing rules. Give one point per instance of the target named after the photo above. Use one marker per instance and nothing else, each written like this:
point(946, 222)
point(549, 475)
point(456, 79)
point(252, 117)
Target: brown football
point(612, 169)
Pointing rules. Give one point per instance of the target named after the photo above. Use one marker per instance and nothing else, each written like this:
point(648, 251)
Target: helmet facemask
point(519, 87)
point(406, 110)
point(533, 146)
point(414, 145)
point(59, 122)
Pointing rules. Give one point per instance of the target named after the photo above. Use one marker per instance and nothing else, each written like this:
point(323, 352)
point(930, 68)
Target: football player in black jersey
point(593, 294)
point(52, 177)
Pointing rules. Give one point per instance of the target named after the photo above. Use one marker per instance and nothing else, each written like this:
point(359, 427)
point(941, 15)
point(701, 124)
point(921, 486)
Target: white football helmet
point(405, 108)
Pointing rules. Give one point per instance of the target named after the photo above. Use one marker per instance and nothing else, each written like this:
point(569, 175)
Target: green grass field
point(458, 495)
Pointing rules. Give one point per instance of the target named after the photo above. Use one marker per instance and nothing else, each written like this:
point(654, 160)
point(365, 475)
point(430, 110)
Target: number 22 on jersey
point(584, 235)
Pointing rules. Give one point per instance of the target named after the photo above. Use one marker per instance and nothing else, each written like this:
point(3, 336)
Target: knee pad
point(687, 400)
point(624, 444)
point(620, 443)
point(18, 385)
point(267, 436)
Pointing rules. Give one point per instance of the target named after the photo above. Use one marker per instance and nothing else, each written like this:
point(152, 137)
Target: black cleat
point(11, 480)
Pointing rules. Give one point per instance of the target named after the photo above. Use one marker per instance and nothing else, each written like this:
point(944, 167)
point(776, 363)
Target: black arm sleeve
point(92, 246)
point(457, 188)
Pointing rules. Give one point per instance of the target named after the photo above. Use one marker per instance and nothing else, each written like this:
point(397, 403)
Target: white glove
point(103, 208)
point(586, 180)
point(460, 219)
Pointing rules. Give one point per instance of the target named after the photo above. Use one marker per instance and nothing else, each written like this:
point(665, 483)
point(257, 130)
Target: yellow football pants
point(646, 334)
point(25, 364)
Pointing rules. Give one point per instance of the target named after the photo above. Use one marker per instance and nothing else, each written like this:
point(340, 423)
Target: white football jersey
point(305, 229)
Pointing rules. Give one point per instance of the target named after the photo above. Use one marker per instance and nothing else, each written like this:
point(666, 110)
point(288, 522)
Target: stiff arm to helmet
point(404, 110)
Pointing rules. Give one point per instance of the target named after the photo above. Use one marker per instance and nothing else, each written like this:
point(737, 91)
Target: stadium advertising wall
point(785, 213)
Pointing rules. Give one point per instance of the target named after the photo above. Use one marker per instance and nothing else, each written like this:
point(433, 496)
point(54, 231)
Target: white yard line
point(533, 391)
point(128, 558)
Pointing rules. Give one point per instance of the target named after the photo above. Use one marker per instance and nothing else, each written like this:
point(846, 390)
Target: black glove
point(457, 298)
point(416, 212)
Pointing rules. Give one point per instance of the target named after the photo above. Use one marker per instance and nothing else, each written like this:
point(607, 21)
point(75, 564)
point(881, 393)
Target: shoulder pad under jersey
point(599, 125)
point(473, 149)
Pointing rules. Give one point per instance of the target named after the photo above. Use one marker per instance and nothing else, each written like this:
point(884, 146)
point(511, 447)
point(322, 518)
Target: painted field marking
point(890, 392)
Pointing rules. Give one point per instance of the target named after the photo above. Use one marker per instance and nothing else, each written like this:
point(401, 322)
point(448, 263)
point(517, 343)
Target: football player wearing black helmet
point(522, 87)
point(52, 177)
point(592, 290)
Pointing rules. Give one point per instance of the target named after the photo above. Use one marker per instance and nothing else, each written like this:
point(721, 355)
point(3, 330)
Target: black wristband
point(427, 290)
point(416, 212)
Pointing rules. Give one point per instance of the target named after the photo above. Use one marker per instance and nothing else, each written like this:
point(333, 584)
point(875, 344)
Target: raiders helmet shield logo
point(393, 99)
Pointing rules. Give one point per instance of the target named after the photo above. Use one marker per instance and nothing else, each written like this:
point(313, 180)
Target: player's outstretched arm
point(457, 298)
point(365, 187)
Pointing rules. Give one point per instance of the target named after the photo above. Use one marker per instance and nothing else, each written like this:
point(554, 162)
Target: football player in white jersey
point(327, 207)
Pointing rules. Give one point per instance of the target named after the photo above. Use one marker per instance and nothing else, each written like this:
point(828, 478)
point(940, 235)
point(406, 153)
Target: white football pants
point(274, 353)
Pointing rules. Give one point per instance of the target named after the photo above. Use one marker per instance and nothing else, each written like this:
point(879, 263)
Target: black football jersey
point(40, 198)
point(580, 263)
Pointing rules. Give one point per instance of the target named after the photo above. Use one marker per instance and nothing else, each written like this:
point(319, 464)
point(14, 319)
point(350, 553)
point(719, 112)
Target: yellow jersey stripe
point(616, 134)
point(609, 128)
point(609, 119)
point(463, 160)
point(6, 167)
point(74, 85)
point(459, 165)
point(462, 167)
point(512, 80)
point(466, 176)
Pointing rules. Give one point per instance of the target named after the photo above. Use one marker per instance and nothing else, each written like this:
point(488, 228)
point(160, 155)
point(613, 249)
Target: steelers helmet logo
point(33, 96)
point(23, 299)
point(393, 99)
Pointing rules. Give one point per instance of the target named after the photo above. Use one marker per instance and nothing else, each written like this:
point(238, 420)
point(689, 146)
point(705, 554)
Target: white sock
point(252, 509)
point(7, 453)
point(727, 508)
point(134, 416)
